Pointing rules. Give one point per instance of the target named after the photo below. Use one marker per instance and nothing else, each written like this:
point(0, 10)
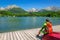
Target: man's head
point(47, 20)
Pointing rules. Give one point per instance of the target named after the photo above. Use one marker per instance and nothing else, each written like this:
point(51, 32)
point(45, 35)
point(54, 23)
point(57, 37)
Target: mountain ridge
point(17, 9)
point(13, 9)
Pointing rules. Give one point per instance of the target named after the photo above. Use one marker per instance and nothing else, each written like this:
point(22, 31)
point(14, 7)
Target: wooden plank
point(20, 36)
point(8, 36)
point(14, 36)
point(29, 36)
point(2, 36)
point(24, 36)
point(21, 33)
point(34, 36)
point(17, 36)
point(11, 36)
point(5, 36)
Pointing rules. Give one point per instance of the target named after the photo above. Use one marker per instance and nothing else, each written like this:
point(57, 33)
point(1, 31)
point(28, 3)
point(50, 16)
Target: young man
point(47, 28)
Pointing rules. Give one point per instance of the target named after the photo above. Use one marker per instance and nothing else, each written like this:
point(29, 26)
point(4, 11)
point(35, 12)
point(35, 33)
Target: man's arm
point(44, 26)
point(41, 30)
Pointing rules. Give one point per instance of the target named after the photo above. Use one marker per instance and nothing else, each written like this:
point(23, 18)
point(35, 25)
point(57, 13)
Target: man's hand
point(38, 33)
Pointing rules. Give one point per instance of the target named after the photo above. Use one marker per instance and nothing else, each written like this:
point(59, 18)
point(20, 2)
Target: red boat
point(52, 36)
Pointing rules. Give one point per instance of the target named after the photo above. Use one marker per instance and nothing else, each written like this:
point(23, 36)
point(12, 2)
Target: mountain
point(42, 10)
point(17, 9)
point(33, 10)
point(13, 9)
point(52, 8)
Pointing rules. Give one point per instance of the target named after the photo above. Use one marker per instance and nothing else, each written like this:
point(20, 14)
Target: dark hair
point(47, 20)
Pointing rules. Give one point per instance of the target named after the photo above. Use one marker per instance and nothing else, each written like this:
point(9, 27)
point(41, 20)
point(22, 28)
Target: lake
point(22, 23)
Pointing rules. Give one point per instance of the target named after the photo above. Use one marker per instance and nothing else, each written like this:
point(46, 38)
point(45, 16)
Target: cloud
point(9, 7)
point(12, 6)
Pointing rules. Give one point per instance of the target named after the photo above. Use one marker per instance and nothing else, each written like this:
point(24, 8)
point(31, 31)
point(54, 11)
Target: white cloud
point(12, 6)
point(9, 7)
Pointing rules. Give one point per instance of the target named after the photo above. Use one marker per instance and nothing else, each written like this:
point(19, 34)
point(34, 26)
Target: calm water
point(20, 23)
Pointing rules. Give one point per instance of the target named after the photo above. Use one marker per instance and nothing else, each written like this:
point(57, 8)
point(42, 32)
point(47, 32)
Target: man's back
point(49, 27)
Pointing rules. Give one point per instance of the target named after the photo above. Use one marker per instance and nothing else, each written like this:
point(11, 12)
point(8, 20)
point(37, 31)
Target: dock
point(23, 34)
point(19, 35)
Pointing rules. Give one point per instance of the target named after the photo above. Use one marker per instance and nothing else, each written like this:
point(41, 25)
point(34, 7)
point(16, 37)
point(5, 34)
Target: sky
point(28, 4)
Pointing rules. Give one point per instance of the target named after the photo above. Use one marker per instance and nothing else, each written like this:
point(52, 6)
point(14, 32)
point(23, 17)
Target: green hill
point(17, 10)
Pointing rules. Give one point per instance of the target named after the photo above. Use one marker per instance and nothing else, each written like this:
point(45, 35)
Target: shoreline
point(29, 34)
point(55, 28)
